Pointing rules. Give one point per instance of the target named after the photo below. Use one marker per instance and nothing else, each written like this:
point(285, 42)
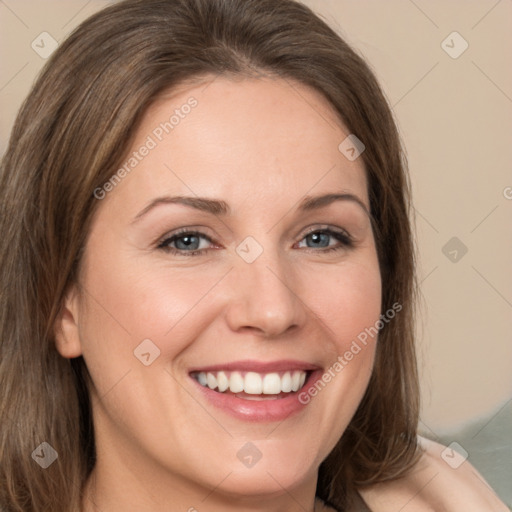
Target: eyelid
point(326, 227)
point(189, 230)
point(320, 227)
point(344, 239)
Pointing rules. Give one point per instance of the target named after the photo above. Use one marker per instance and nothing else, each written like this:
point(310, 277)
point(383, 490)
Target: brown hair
point(71, 134)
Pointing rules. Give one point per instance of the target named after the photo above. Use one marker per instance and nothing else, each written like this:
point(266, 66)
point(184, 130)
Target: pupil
point(187, 242)
point(318, 238)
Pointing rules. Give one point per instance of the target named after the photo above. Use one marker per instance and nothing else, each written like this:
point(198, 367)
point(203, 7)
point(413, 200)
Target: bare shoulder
point(441, 481)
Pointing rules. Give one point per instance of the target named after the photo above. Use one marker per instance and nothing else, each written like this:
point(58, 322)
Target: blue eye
point(322, 239)
point(186, 242)
point(195, 243)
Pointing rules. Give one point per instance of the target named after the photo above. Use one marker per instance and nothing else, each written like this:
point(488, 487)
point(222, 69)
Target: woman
point(207, 275)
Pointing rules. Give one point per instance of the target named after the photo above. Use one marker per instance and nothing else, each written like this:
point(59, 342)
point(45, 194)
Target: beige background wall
point(455, 115)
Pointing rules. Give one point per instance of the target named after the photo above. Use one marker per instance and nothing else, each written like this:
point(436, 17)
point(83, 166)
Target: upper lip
point(258, 366)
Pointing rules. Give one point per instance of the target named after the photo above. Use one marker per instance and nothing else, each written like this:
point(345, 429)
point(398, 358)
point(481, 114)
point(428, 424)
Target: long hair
point(70, 135)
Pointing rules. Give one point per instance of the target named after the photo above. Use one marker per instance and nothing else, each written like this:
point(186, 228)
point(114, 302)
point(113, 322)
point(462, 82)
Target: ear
point(67, 336)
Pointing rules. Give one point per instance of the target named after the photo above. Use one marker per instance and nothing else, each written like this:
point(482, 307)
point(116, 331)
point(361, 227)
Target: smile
point(255, 390)
point(249, 385)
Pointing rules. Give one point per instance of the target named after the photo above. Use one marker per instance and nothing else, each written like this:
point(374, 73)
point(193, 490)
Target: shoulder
point(441, 481)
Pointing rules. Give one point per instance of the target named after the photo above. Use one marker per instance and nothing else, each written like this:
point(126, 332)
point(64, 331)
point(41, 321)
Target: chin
point(268, 480)
point(270, 468)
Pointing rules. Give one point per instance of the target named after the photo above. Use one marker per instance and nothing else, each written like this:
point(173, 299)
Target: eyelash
point(343, 237)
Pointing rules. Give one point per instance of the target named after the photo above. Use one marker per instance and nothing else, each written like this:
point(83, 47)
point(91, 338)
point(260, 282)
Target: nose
point(265, 298)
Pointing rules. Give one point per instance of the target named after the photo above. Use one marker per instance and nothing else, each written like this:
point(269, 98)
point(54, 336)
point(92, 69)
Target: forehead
point(246, 139)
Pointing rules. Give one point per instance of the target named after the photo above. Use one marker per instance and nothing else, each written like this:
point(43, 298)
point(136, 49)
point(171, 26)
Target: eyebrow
point(219, 207)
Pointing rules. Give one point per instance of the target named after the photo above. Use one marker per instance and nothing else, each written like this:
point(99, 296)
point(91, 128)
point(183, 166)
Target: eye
point(326, 239)
point(186, 243)
point(194, 243)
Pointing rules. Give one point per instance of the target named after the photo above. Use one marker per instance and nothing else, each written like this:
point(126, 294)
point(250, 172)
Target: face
point(235, 253)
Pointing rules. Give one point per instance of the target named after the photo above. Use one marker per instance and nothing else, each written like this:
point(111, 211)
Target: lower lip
point(266, 410)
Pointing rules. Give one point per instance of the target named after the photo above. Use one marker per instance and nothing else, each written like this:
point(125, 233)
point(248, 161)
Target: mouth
point(256, 391)
point(253, 385)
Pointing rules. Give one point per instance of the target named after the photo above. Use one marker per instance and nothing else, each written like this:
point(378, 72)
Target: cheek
point(347, 299)
point(127, 303)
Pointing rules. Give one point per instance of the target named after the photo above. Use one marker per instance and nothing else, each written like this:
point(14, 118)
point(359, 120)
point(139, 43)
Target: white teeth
point(201, 377)
point(253, 383)
point(211, 380)
point(236, 382)
point(295, 381)
point(222, 381)
point(271, 384)
point(286, 382)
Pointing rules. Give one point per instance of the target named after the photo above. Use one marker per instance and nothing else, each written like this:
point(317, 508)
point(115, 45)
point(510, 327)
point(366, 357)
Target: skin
point(260, 146)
